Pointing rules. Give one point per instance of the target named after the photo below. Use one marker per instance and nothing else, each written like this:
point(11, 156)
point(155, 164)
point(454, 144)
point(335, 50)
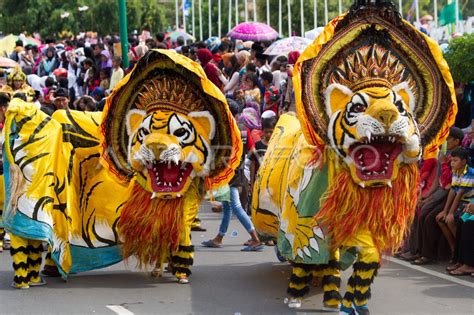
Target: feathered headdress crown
point(370, 66)
point(173, 93)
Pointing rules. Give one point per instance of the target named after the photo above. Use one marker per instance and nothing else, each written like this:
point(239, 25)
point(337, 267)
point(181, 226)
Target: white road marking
point(431, 272)
point(120, 310)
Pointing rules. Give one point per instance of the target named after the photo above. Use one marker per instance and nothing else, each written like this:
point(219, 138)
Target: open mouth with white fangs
point(168, 177)
point(375, 159)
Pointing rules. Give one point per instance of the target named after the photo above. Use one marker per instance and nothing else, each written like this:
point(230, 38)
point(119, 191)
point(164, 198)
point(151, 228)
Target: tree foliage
point(44, 16)
point(460, 58)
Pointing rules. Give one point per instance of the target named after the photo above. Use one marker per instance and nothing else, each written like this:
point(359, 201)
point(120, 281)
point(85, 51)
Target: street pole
point(194, 33)
point(236, 12)
point(230, 15)
point(219, 18)
point(417, 12)
point(325, 12)
point(315, 13)
point(400, 7)
point(435, 5)
point(255, 10)
point(289, 18)
point(268, 12)
point(302, 17)
point(246, 9)
point(210, 18)
point(122, 6)
point(280, 26)
point(177, 14)
point(340, 7)
point(456, 11)
point(200, 19)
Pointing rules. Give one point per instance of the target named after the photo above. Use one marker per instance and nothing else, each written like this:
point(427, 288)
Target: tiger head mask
point(371, 124)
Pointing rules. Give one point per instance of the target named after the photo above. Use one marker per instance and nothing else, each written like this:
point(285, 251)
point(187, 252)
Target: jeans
point(235, 207)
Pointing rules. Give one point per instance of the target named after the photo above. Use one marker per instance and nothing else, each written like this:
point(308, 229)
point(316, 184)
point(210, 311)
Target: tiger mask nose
point(385, 112)
point(164, 147)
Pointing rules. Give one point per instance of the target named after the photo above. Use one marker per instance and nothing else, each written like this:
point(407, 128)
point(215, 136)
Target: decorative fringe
point(17, 188)
point(386, 212)
point(150, 228)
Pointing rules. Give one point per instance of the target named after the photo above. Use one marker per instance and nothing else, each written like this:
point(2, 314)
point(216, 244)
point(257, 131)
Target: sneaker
point(362, 310)
point(37, 284)
point(294, 302)
point(183, 280)
point(346, 311)
point(19, 286)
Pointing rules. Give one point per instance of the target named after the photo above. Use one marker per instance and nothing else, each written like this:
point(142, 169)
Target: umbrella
point(7, 63)
point(7, 43)
point(213, 43)
point(313, 33)
point(253, 31)
point(286, 45)
point(175, 34)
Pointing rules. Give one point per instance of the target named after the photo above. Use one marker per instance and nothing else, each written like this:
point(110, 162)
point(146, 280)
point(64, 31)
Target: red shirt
point(446, 174)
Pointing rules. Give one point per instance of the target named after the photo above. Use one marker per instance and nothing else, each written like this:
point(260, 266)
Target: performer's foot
point(39, 283)
point(20, 286)
point(331, 308)
point(50, 271)
point(346, 310)
point(294, 302)
point(183, 280)
point(156, 273)
point(362, 310)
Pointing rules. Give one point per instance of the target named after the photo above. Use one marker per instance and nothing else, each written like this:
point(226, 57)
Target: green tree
point(44, 16)
point(460, 58)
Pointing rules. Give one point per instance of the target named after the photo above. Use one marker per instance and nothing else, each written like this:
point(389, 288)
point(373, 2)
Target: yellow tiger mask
point(373, 131)
point(169, 149)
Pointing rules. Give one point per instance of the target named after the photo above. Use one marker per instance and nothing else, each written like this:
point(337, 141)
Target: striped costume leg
point(34, 262)
point(299, 281)
point(332, 281)
point(19, 252)
point(183, 258)
point(358, 286)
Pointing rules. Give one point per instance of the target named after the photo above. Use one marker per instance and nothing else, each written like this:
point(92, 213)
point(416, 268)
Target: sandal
point(255, 248)
point(460, 273)
point(453, 267)
point(422, 261)
point(211, 244)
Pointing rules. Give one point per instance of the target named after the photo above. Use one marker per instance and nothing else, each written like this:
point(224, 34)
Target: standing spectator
point(160, 40)
point(49, 63)
point(213, 73)
point(106, 61)
point(289, 101)
point(104, 77)
point(117, 72)
point(271, 95)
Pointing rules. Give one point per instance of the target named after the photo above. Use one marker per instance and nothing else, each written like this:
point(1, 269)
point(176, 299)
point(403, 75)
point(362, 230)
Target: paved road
point(227, 281)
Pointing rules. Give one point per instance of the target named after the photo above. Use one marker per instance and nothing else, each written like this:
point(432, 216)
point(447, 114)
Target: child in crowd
point(460, 194)
point(117, 72)
point(104, 76)
point(272, 94)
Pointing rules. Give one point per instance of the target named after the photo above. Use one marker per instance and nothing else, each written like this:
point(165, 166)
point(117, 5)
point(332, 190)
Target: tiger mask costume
point(170, 149)
point(373, 131)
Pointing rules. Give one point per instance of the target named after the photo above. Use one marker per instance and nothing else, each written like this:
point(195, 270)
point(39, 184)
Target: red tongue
point(372, 159)
point(169, 174)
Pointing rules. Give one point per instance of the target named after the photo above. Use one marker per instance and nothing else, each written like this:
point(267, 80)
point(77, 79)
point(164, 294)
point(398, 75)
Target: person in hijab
point(289, 102)
point(106, 60)
point(213, 73)
point(49, 63)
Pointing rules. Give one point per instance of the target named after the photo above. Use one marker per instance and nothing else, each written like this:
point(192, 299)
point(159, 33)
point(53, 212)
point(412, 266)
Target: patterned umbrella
point(253, 31)
point(175, 34)
point(287, 45)
point(7, 63)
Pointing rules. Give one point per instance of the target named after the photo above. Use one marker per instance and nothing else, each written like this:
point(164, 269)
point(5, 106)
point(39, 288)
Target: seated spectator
point(272, 94)
point(426, 238)
point(460, 194)
point(464, 250)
